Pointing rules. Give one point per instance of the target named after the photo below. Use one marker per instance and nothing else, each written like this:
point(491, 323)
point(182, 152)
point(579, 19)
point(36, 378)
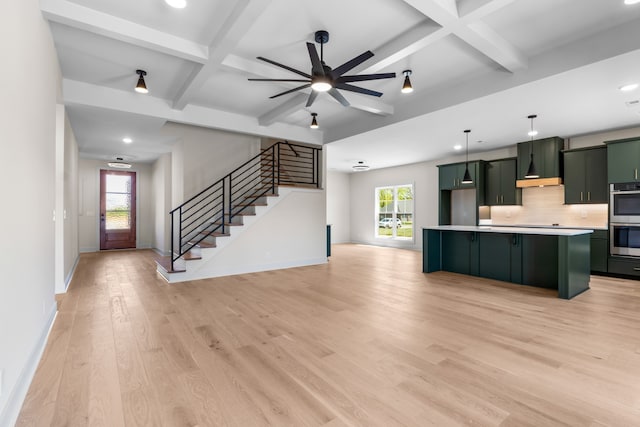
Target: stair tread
point(190, 257)
point(204, 244)
point(165, 263)
point(214, 234)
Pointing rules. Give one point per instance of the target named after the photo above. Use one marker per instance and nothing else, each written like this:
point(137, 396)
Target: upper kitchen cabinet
point(450, 176)
point(547, 156)
point(585, 176)
point(623, 160)
point(501, 183)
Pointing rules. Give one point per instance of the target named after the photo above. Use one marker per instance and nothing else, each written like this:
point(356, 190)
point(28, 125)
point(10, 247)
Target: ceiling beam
point(287, 108)
point(243, 15)
point(88, 95)
point(406, 44)
point(87, 19)
point(474, 32)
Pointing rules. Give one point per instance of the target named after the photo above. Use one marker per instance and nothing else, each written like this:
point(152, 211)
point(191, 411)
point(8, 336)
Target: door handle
point(636, 268)
point(502, 199)
point(588, 196)
point(102, 217)
point(636, 173)
point(581, 198)
point(497, 199)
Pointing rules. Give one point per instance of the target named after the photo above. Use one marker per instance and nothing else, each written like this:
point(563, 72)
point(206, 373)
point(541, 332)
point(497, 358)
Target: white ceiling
point(478, 64)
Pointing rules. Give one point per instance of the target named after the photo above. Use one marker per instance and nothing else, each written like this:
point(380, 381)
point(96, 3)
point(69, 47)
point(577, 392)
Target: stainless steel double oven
point(624, 219)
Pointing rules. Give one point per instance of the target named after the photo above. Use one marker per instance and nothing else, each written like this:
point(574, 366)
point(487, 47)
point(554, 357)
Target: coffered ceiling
point(478, 64)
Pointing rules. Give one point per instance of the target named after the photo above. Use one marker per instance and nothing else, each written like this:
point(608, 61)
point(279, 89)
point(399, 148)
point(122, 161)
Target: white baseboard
point(70, 275)
point(10, 413)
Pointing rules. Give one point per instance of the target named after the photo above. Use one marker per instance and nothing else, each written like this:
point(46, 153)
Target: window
point(394, 212)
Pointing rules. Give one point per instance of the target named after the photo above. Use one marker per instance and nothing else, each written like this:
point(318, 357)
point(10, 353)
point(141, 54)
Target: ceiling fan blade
point(312, 97)
point(363, 77)
point(351, 64)
point(278, 80)
point(316, 64)
point(338, 97)
point(357, 89)
point(277, 64)
point(291, 90)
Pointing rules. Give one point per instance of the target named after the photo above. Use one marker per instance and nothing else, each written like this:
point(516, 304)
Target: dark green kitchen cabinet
point(547, 156)
point(460, 252)
point(450, 176)
point(544, 271)
point(585, 176)
point(599, 250)
point(623, 160)
point(500, 256)
point(500, 183)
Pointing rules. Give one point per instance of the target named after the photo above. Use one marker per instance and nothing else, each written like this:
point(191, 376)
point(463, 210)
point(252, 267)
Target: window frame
point(394, 213)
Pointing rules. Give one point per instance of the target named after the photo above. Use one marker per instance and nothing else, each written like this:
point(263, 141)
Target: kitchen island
point(554, 258)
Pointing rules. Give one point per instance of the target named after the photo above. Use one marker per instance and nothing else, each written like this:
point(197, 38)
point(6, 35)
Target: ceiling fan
point(326, 79)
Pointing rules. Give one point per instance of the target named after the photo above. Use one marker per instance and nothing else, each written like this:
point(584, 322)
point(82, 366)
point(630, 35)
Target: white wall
point(262, 245)
point(66, 228)
point(600, 137)
point(30, 91)
point(423, 176)
point(89, 204)
point(161, 199)
point(70, 214)
point(338, 188)
point(203, 156)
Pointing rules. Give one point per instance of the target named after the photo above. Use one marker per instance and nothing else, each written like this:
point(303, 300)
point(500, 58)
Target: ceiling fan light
point(141, 87)
point(406, 86)
point(178, 4)
point(321, 84)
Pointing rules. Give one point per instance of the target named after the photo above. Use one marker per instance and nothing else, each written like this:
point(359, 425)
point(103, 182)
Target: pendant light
point(406, 87)
point(314, 122)
point(467, 176)
point(141, 87)
point(531, 172)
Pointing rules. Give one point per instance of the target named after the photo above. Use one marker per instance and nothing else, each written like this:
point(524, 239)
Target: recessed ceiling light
point(127, 140)
point(178, 4)
point(631, 1)
point(457, 147)
point(630, 86)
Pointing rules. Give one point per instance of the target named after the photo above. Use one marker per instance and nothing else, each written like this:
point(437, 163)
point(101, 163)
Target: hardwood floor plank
point(365, 340)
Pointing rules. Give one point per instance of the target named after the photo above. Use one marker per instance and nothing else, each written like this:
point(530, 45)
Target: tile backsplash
point(545, 206)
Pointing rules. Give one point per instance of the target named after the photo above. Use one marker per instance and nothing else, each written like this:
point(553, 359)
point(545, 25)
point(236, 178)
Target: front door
point(117, 209)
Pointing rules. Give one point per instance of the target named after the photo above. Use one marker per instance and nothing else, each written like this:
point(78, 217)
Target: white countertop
point(551, 231)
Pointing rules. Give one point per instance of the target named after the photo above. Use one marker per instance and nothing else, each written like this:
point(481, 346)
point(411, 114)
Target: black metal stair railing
point(211, 212)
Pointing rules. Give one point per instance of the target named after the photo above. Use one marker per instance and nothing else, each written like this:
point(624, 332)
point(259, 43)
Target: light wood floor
point(364, 340)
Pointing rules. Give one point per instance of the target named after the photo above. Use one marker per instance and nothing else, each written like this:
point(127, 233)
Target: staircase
point(201, 224)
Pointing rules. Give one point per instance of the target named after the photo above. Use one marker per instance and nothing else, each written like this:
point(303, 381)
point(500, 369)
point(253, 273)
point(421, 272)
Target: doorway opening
point(117, 209)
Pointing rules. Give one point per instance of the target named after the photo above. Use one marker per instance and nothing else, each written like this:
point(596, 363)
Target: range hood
point(538, 182)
